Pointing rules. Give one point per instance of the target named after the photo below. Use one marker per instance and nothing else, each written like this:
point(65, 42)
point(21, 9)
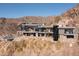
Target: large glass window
point(68, 31)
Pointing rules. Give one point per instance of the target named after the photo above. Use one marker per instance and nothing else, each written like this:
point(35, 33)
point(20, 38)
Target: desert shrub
point(57, 19)
point(10, 49)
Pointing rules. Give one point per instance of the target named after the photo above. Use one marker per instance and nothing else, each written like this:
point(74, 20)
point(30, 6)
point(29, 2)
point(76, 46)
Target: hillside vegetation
point(37, 46)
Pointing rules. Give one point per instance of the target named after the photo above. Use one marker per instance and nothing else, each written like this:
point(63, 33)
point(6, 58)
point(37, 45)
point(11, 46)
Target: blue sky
point(32, 9)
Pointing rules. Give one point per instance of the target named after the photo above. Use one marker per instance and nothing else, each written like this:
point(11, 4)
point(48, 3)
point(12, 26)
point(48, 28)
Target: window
point(68, 31)
point(70, 36)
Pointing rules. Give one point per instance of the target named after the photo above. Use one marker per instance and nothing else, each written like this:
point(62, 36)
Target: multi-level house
point(40, 30)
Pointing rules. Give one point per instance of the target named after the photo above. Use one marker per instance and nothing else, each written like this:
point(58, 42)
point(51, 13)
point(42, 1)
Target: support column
point(36, 34)
point(45, 34)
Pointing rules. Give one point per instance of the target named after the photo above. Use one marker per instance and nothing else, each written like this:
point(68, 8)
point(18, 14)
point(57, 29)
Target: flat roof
point(66, 27)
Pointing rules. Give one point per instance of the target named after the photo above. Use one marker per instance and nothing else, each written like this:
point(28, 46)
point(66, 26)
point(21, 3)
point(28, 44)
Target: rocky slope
point(73, 16)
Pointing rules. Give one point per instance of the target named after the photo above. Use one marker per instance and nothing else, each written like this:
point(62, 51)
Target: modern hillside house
point(40, 30)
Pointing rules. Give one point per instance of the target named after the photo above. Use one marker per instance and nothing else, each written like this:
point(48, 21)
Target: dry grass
point(36, 46)
point(28, 47)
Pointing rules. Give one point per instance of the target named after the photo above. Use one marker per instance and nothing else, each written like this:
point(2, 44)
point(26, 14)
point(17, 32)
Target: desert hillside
point(40, 46)
point(69, 18)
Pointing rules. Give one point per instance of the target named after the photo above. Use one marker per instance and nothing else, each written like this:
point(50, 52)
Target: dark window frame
point(69, 31)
